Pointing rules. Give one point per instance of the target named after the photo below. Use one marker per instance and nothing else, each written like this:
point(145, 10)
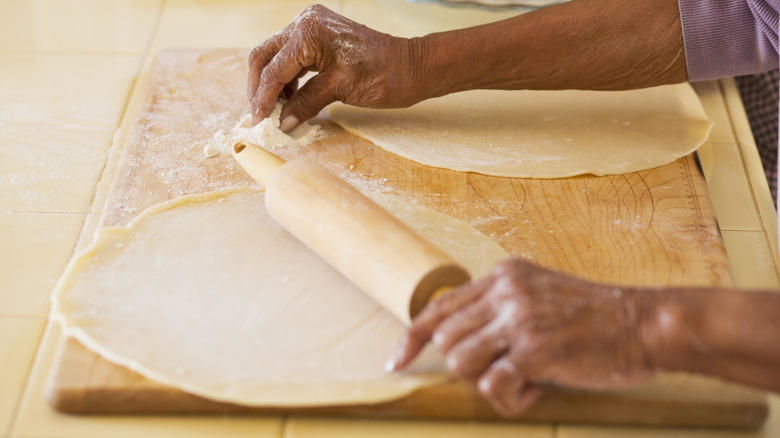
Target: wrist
point(425, 68)
point(438, 65)
point(405, 79)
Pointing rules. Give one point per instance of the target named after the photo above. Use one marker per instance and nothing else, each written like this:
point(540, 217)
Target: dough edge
point(692, 105)
point(372, 392)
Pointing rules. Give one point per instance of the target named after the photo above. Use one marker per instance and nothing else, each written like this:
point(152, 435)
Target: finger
point(292, 87)
point(259, 57)
point(471, 357)
point(317, 93)
point(506, 389)
point(283, 69)
point(465, 322)
point(413, 341)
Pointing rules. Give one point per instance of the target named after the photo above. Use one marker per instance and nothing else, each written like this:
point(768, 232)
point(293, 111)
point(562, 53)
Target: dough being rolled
point(208, 294)
point(539, 134)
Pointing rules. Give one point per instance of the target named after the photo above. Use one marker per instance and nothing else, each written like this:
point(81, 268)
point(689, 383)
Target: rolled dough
point(539, 134)
point(208, 294)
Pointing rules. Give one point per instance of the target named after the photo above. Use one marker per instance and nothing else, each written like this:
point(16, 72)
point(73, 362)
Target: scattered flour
point(265, 134)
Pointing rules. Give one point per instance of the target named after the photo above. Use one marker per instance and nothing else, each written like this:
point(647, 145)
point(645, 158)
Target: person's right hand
point(524, 326)
point(356, 65)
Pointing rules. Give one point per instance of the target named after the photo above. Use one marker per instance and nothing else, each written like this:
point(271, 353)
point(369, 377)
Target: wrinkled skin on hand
point(355, 65)
point(522, 326)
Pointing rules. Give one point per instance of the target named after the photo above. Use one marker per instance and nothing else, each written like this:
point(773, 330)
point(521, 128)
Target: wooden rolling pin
point(377, 252)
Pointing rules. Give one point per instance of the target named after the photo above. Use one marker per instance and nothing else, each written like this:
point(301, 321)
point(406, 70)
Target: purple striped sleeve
point(729, 37)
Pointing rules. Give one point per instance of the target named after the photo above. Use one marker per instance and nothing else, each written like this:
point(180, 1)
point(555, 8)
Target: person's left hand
point(523, 325)
point(354, 64)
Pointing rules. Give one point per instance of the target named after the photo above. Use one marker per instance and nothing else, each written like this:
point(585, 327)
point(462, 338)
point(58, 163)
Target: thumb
point(307, 102)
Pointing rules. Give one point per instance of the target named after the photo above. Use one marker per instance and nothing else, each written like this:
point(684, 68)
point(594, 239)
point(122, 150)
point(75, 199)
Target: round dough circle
point(539, 134)
point(208, 294)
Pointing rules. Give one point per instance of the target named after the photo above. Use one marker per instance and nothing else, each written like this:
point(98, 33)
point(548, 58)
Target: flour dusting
point(265, 134)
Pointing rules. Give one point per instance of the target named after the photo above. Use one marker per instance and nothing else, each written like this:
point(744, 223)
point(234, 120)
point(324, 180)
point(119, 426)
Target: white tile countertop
point(67, 72)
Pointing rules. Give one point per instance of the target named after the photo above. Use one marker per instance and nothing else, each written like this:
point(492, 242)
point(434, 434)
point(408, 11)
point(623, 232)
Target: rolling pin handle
point(256, 161)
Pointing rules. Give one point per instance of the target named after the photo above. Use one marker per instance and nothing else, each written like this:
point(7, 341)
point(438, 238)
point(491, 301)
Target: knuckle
point(501, 378)
point(461, 363)
point(312, 8)
point(489, 386)
point(305, 22)
point(310, 16)
point(442, 339)
point(505, 267)
point(255, 52)
point(317, 8)
point(507, 286)
point(458, 365)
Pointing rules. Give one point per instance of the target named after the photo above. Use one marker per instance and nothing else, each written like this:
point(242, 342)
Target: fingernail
point(288, 124)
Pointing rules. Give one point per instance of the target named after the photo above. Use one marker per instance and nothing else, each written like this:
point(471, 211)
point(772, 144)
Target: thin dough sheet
point(208, 294)
point(539, 134)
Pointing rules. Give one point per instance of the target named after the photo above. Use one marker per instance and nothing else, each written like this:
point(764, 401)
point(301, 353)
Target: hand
point(523, 325)
point(356, 65)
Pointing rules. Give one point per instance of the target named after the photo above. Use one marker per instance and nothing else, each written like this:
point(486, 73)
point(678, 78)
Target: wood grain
point(654, 227)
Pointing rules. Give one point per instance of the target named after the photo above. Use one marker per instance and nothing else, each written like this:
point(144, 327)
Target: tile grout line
point(117, 129)
point(740, 143)
point(709, 180)
point(730, 111)
point(36, 357)
point(128, 99)
point(26, 379)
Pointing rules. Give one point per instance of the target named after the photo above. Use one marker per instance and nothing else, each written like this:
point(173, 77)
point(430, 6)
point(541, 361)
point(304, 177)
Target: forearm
point(583, 44)
point(730, 334)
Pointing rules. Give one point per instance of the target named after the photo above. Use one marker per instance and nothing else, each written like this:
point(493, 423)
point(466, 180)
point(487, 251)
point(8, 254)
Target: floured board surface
point(654, 227)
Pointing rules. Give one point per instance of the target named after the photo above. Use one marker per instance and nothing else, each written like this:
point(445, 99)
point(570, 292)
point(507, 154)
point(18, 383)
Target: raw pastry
point(539, 134)
point(207, 293)
point(265, 134)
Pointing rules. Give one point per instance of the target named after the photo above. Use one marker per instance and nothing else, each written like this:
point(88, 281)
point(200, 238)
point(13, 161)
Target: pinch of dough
point(265, 134)
point(208, 294)
point(539, 134)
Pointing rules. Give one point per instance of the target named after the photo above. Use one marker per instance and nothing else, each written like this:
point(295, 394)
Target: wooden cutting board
point(654, 227)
